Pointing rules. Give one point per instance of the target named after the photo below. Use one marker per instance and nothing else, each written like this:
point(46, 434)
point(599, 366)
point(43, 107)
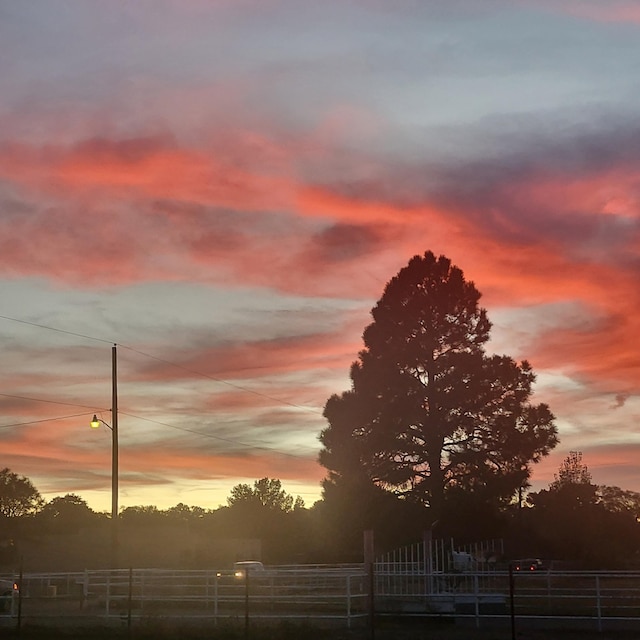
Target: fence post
point(512, 601)
point(246, 603)
point(108, 593)
point(85, 589)
point(215, 599)
point(143, 595)
point(476, 589)
point(20, 587)
point(372, 601)
point(427, 541)
point(348, 601)
point(598, 603)
point(130, 601)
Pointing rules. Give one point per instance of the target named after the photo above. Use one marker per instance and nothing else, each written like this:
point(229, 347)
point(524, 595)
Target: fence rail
point(337, 593)
point(340, 594)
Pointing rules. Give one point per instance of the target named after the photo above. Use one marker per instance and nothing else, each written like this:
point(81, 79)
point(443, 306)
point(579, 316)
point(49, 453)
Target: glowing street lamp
point(113, 427)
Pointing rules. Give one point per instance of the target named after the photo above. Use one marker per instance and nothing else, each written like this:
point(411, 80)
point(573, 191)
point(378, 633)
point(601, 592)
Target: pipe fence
point(339, 595)
point(320, 593)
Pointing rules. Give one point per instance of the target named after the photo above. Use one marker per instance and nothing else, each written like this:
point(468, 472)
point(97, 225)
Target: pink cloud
point(623, 11)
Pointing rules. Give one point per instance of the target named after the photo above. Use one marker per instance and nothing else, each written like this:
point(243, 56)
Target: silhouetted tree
point(266, 511)
point(572, 471)
point(144, 515)
point(68, 513)
point(355, 505)
point(571, 487)
point(576, 520)
point(18, 497)
point(619, 500)
point(267, 493)
point(185, 514)
point(428, 409)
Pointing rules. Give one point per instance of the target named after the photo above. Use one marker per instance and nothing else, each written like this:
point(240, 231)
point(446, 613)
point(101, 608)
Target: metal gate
point(437, 566)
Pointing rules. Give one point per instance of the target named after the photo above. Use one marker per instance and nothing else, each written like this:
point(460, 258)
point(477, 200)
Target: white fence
point(330, 593)
point(583, 599)
point(335, 594)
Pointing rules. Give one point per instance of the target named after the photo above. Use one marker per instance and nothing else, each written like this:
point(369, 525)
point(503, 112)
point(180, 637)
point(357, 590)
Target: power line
point(174, 364)
point(214, 437)
point(44, 326)
point(169, 362)
point(24, 424)
point(131, 415)
point(230, 384)
point(68, 404)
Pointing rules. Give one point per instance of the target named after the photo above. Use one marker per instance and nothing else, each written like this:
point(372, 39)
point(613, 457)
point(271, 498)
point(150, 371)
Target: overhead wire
point(44, 326)
point(24, 424)
point(215, 437)
point(165, 361)
point(231, 384)
point(68, 404)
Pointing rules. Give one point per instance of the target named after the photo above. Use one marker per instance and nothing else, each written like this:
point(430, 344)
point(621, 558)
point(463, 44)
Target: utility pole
point(114, 457)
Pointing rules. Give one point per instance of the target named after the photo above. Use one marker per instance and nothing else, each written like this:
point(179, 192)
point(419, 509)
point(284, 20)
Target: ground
point(395, 631)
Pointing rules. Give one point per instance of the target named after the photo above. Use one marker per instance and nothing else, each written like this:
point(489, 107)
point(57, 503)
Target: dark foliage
point(429, 414)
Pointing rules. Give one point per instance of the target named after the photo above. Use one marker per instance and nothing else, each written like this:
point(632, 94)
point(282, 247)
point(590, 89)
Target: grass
point(404, 630)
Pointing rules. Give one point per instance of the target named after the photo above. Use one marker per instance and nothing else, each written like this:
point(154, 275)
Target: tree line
point(434, 433)
point(574, 521)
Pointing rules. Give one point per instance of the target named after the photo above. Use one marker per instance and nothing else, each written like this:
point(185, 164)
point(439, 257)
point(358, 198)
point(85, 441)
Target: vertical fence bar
point(429, 551)
point(404, 570)
point(107, 593)
point(598, 603)
point(130, 601)
point(215, 600)
point(19, 622)
point(348, 585)
point(512, 604)
point(372, 602)
point(85, 589)
point(477, 599)
point(246, 603)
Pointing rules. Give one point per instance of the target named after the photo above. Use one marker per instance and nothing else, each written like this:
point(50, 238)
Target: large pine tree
point(428, 410)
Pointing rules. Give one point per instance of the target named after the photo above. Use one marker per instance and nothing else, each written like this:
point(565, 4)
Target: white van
point(251, 566)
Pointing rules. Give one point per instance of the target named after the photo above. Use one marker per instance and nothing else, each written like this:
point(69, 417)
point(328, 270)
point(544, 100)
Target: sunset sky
point(223, 188)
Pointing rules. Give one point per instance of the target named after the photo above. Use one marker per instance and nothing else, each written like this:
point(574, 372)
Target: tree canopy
point(572, 471)
point(18, 497)
point(67, 513)
point(428, 410)
point(574, 520)
point(577, 521)
point(267, 493)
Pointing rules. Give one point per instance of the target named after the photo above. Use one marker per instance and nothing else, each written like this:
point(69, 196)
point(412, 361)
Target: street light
point(113, 427)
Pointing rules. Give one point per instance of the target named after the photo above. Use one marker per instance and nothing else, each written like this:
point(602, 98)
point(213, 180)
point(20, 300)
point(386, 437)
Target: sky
point(223, 188)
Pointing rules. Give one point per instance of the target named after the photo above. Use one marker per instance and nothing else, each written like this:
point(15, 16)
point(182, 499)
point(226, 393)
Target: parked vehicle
point(252, 566)
point(528, 564)
point(240, 570)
